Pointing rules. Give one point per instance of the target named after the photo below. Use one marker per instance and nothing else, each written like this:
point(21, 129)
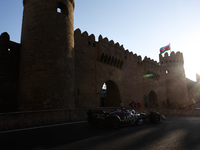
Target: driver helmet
point(133, 111)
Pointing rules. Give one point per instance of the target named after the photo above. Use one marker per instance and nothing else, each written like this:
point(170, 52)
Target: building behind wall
point(55, 67)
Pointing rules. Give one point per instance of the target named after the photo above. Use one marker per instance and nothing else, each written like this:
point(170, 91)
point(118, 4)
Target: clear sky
point(141, 26)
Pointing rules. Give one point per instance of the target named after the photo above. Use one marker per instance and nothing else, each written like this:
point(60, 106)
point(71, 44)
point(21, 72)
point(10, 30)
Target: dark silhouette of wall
point(9, 74)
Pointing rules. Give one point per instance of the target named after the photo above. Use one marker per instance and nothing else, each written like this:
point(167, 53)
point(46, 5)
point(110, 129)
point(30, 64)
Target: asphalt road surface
point(176, 133)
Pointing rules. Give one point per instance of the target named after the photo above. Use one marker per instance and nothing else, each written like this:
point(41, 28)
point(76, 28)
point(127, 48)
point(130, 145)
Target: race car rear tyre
point(157, 118)
point(154, 118)
point(115, 123)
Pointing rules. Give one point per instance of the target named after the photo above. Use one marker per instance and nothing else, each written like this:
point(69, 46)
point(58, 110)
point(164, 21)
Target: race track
point(175, 133)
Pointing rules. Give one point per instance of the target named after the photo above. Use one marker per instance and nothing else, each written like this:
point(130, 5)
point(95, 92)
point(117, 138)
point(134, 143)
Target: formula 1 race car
point(121, 116)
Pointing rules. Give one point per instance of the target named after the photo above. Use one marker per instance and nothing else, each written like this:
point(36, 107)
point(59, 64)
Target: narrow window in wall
point(109, 59)
point(102, 57)
point(115, 62)
point(112, 60)
point(62, 8)
point(58, 10)
point(106, 57)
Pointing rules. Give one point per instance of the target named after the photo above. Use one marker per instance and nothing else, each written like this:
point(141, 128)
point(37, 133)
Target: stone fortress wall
point(59, 68)
point(104, 61)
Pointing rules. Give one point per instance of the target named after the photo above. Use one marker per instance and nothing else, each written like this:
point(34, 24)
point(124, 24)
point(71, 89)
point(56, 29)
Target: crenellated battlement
point(172, 58)
point(115, 51)
point(109, 47)
point(114, 54)
point(173, 54)
point(111, 43)
point(89, 39)
point(132, 57)
point(172, 65)
point(126, 53)
point(84, 34)
point(77, 31)
point(149, 60)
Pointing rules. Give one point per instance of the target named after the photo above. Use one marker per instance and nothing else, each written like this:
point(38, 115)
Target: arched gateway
point(153, 99)
point(110, 96)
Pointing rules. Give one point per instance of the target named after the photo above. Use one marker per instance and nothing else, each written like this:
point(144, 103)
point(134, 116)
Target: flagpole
point(170, 48)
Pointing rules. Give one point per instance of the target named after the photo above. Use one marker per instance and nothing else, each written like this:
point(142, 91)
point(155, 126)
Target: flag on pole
point(164, 49)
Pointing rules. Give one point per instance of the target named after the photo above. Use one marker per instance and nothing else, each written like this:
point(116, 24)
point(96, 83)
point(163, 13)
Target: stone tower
point(176, 85)
point(47, 55)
